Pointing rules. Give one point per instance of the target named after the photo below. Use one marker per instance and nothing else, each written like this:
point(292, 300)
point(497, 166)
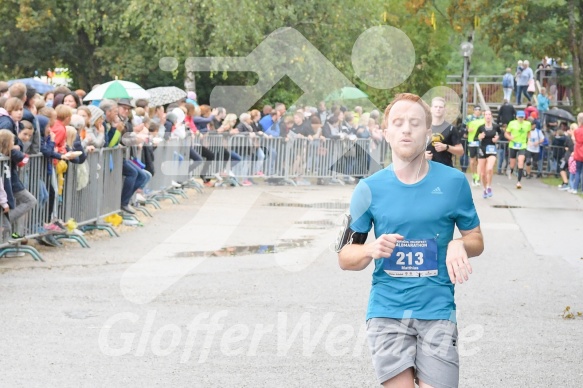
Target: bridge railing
point(556, 83)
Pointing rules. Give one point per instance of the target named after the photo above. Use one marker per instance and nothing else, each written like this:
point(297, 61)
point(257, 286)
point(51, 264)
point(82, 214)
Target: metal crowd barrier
point(162, 180)
point(5, 227)
point(34, 177)
point(90, 191)
point(111, 160)
point(218, 145)
point(81, 199)
point(171, 165)
point(196, 169)
point(274, 150)
point(332, 159)
point(246, 157)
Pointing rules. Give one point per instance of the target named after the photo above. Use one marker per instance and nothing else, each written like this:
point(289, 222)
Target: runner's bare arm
point(456, 150)
point(459, 250)
point(473, 241)
point(356, 257)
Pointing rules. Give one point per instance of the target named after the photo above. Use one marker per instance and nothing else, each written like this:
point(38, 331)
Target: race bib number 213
point(412, 258)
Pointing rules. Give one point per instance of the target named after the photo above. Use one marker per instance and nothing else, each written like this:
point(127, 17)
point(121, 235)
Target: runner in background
point(444, 139)
point(473, 122)
point(488, 134)
point(517, 135)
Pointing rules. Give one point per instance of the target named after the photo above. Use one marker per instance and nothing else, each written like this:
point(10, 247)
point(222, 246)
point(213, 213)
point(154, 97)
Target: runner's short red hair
point(408, 97)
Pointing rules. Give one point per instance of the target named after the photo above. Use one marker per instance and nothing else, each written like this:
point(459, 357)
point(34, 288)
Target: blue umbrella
point(40, 86)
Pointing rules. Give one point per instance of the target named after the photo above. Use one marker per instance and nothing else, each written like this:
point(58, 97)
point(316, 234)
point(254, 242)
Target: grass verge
point(555, 182)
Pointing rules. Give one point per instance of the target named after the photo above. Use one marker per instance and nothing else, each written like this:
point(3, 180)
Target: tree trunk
point(575, 54)
point(82, 63)
point(189, 82)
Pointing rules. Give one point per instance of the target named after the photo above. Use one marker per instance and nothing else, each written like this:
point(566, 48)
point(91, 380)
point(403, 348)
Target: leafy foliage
point(101, 40)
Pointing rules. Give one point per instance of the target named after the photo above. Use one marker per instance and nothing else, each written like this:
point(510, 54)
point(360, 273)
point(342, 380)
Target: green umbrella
point(346, 93)
point(117, 89)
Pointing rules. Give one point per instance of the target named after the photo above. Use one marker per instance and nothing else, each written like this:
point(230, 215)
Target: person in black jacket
point(506, 113)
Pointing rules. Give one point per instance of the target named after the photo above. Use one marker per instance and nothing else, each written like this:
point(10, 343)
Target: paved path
point(93, 317)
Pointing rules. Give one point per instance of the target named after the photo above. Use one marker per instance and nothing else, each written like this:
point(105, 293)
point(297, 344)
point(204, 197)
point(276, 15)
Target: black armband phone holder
point(349, 236)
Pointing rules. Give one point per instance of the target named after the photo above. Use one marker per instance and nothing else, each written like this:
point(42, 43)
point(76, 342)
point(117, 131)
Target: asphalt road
point(151, 309)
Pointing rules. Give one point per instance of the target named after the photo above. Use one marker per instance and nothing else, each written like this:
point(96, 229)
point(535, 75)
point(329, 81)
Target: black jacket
point(506, 114)
point(148, 158)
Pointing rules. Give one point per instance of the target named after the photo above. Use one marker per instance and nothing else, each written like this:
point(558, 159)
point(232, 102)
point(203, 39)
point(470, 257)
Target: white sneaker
point(509, 173)
point(176, 184)
point(140, 198)
point(129, 222)
point(573, 191)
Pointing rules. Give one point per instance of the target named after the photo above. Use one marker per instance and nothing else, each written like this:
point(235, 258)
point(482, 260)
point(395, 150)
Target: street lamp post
point(466, 48)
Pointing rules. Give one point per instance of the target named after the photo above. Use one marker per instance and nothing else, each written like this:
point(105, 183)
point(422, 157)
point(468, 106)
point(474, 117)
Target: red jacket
point(578, 152)
point(528, 111)
point(60, 137)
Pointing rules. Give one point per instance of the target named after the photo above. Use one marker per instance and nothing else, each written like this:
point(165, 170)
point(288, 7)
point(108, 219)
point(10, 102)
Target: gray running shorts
point(430, 347)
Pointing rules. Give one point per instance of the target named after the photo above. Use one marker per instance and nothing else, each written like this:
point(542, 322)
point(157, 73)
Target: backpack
point(507, 81)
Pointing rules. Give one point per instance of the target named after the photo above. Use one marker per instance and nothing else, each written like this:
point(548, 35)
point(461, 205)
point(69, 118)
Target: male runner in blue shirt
point(414, 206)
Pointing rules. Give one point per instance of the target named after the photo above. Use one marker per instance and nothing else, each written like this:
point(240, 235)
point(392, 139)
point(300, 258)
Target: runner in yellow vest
point(473, 122)
point(517, 135)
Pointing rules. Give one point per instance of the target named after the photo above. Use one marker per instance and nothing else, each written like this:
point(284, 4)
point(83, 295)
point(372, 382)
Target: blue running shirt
point(428, 209)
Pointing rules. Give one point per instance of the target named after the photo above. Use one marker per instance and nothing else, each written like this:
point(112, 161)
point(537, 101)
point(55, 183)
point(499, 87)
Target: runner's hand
point(439, 147)
point(383, 246)
point(457, 262)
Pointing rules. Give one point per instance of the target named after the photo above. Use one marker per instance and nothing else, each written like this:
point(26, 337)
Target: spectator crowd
point(64, 130)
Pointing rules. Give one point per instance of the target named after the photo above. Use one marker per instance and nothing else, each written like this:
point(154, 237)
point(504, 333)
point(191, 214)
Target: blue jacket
point(43, 121)
point(542, 103)
point(266, 122)
point(274, 130)
point(48, 150)
point(6, 122)
point(15, 158)
point(202, 122)
point(77, 146)
point(508, 81)
point(35, 141)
